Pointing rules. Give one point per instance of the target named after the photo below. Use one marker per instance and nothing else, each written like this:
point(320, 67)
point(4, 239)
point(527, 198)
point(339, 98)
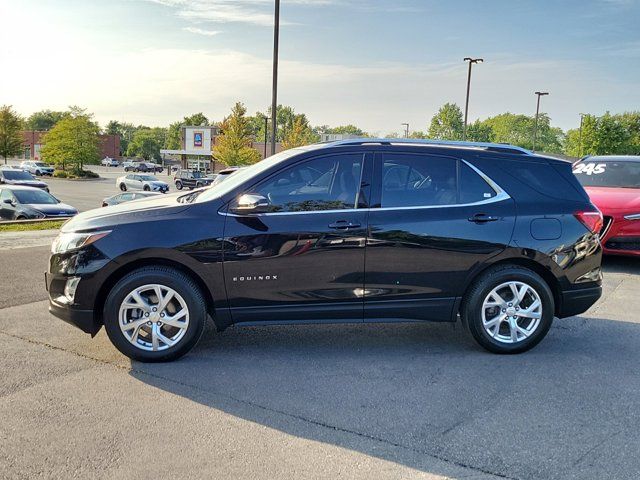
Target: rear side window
point(410, 180)
point(473, 188)
point(555, 182)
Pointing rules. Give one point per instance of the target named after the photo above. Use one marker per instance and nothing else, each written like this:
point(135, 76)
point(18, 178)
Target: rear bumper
point(575, 302)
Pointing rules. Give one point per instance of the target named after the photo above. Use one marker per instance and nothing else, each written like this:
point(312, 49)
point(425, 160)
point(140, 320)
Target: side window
point(410, 180)
point(125, 197)
point(5, 195)
point(325, 183)
point(473, 188)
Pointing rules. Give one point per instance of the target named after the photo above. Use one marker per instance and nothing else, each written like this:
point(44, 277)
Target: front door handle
point(482, 218)
point(343, 225)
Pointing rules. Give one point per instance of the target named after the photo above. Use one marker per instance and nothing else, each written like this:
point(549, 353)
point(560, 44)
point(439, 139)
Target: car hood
point(139, 210)
point(27, 183)
point(158, 183)
point(615, 199)
point(53, 209)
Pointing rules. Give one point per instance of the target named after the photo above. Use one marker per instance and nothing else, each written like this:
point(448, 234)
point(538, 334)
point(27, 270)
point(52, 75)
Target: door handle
point(482, 218)
point(343, 225)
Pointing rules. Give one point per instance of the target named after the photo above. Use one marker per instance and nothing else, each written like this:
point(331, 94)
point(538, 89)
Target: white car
point(110, 162)
point(141, 181)
point(37, 168)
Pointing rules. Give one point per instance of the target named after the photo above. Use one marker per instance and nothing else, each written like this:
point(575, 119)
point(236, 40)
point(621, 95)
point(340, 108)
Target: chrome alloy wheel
point(153, 317)
point(511, 312)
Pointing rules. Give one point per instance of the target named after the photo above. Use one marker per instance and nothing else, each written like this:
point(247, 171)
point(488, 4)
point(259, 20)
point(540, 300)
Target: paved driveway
point(375, 401)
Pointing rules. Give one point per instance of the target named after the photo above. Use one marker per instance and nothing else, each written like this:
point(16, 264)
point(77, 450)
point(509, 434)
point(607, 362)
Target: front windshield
point(35, 196)
point(595, 173)
point(17, 175)
point(148, 178)
point(41, 164)
point(242, 175)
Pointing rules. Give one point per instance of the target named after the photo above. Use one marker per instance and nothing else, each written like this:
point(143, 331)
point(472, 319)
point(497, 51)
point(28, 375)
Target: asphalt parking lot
point(356, 401)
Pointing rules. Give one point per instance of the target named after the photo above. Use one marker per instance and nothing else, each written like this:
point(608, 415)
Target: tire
point(123, 187)
point(38, 173)
point(198, 185)
point(494, 332)
point(126, 169)
point(21, 217)
point(146, 188)
point(179, 185)
point(187, 295)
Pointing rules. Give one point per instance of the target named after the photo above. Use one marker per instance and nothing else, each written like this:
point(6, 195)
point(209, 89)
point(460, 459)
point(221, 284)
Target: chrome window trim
point(500, 196)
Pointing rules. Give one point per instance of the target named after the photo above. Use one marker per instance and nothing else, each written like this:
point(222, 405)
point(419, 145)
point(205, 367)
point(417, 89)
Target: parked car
point(129, 165)
point(191, 179)
point(14, 176)
point(147, 167)
point(222, 175)
point(110, 162)
point(37, 168)
point(613, 183)
point(493, 233)
point(137, 181)
point(23, 203)
point(127, 197)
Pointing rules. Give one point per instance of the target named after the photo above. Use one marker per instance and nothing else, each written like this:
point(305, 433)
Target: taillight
point(592, 220)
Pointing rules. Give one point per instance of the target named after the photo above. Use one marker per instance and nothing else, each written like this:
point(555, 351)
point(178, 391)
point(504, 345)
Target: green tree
point(10, 136)
point(341, 130)
point(147, 142)
point(74, 140)
point(518, 130)
point(233, 146)
point(124, 130)
point(286, 117)
point(631, 123)
point(300, 134)
point(44, 120)
point(447, 124)
point(479, 132)
point(603, 135)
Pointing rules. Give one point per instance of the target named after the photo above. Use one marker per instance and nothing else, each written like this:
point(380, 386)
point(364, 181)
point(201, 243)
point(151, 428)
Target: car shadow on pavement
point(408, 392)
point(615, 264)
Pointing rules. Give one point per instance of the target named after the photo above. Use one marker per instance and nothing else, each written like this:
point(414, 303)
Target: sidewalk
point(34, 238)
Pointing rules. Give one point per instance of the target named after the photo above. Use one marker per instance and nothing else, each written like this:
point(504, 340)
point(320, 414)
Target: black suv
point(191, 179)
point(352, 231)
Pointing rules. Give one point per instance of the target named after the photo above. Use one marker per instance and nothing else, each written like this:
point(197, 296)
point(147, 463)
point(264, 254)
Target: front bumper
point(575, 302)
point(83, 319)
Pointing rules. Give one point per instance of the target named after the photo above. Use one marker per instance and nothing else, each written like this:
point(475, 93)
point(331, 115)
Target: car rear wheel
point(509, 309)
point(123, 187)
point(155, 314)
point(146, 188)
point(179, 185)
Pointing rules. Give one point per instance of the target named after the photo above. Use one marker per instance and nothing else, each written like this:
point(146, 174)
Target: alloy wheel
point(511, 312)
point(153, 317)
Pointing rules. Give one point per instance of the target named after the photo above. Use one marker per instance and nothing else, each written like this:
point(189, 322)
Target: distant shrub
point(60, 174)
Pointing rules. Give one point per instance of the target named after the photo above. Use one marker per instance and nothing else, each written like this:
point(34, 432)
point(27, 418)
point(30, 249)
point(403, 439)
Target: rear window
point(625, 174)
point(552, 180)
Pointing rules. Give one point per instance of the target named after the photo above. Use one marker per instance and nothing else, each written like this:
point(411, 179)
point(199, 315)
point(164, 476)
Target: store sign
point(197, 139)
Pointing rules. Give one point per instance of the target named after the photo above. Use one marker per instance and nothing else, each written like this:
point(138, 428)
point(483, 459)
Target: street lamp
point(274, 89)
point(406, 131)
point(266, 129)
point(535, 128)
point(466, 105)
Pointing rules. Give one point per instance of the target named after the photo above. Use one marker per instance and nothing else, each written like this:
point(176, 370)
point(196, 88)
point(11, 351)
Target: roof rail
point(494, 147)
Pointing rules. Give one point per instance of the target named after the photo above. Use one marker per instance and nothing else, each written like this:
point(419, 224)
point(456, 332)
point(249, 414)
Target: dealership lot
point(358, 401)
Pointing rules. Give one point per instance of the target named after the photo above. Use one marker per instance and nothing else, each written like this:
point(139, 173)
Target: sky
point(375, 64)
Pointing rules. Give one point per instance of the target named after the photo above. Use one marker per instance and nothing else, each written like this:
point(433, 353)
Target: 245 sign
point(590, 168)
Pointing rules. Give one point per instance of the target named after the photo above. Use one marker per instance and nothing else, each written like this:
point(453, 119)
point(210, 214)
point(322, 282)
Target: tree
point(10, 136)
point(447, 124)
point(341, 130)
point(44, 120)
point(196, 120)
point(479, 132)
point(147, 142)
point(518, 130)
point(72, 140)
point(233, 146)
point(300, 134)
point(603, 135)
point(631, 123)
point(286, 116)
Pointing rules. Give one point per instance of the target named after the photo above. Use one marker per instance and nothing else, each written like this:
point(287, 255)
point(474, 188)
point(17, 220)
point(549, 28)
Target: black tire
point(168, 277)
point(123, 187)
point(471, 308)
point(38, 173)
point(179, 185)
point(21, 217)
point(198, 185)
point(126, 169)
point(146, 188)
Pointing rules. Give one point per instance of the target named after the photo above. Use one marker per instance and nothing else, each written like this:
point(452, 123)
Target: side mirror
point(251, 203)
point(8, 200)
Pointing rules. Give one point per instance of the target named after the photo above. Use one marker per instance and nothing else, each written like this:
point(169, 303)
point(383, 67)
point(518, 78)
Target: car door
point(435, 218)
point(7, 210)
point(136, 182)
point(304, 259)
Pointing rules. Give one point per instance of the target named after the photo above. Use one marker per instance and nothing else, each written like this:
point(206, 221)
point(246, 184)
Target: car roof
point(18, 187)
point(612, 158)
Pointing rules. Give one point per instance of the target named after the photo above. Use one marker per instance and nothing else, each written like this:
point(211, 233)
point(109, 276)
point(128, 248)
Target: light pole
point(266, 129)
point(535, 128)
point(580, 135)
point(406, 130)
point(274, 89)
point(466, 104)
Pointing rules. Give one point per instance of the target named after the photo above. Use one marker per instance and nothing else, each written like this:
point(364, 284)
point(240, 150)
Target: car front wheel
point(155, 314)
point(123, 187)
point(146, 188)
point(509, 309)
point(179, 185)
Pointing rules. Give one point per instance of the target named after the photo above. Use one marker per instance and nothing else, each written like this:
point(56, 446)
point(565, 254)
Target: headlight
point(635, 216)
point(72, 240)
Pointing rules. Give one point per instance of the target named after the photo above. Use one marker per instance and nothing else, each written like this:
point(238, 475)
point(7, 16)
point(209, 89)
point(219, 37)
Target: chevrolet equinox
point(362, 230)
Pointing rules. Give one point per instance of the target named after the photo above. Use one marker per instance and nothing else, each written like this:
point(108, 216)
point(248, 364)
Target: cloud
point(201, 31)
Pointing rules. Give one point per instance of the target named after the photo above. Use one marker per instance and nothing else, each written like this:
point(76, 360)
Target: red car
point(613, 183)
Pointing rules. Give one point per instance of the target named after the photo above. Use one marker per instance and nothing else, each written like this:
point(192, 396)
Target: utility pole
point(266, 129)
point(406, 131)
point(580, 135)
point(274, 89)
point(535, 128)
point(466, 104)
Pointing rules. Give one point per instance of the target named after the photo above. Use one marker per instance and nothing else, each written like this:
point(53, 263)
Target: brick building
point(32, 143)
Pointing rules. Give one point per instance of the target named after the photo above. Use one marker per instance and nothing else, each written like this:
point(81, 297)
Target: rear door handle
point(343, 225)
point(482, 218)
